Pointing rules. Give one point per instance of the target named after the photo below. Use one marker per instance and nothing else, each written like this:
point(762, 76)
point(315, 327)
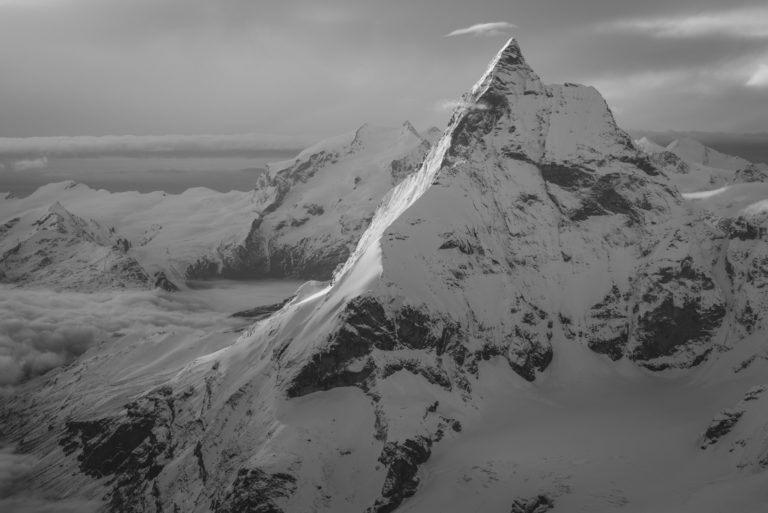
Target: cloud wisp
point(23, 165)
point(451, 105)
point(494, 29)
point(31, 148)
point(744, 23)
point(759, 78)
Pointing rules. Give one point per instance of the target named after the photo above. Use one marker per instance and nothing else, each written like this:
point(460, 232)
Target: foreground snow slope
point(302, 219)
point(486, 347)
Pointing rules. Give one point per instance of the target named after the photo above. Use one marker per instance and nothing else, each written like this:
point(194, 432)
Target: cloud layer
point(498, 28)
point(41, 330)
point(30, 150)
point(742, 23)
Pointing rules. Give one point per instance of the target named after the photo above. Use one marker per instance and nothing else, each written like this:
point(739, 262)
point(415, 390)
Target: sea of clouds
point(41, 329)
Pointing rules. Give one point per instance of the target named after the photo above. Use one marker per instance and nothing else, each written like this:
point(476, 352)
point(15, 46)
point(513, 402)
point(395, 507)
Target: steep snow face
point(456, 362)
point(316, 206)
point(52, 247)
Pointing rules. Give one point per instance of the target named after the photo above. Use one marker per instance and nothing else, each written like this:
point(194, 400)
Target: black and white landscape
point(525, 310)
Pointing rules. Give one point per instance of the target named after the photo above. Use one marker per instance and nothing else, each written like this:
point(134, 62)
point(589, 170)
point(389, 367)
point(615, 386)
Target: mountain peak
point(511, 54)
point(407, 129)
point(508, 72)
point(538, 122)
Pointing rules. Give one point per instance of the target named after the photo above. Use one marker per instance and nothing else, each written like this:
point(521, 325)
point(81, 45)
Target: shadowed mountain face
point(486, 347)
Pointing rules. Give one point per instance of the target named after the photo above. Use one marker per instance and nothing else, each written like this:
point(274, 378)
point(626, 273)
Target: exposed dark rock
point(402, 461)
point(162, 282)
point(467, 243)
point(669, 325)
point(643, 163)
point(8, 225)
point(434, 375)
point(198, 452)
point(538, 504)
point(606, 197)
point(133, 448)
point(720, 426)
point(611, 347)
point(300, 262)
point(403, 167)
point(530, 358)
point(328, 368)
point(742, 228)
point(122, 245)
point(569, 178)
point(262, 312)
point(314, 209)
point(299, 222)
point(256, 491)
point(478, 121)
point(751, 173)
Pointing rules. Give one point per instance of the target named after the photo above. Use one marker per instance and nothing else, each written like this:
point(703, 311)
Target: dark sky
point(96, 67)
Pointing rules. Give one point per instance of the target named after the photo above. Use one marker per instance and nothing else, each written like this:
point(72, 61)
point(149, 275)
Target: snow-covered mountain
point(315, 207)
point(52, 247)
point(694, 167)
point(536, 320)
point(692, 150)
point(303, 219)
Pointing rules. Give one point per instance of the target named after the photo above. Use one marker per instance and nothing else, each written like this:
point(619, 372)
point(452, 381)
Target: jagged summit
point(508, 65)
point(543, 123)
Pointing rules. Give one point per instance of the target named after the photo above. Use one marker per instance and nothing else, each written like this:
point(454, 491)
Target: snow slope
point(488, 346)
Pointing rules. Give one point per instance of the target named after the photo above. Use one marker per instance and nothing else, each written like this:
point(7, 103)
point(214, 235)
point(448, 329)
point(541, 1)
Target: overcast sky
point(315, 67)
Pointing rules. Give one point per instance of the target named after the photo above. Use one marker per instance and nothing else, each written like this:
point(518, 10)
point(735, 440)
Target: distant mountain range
point(750, 146)
point(303, 218)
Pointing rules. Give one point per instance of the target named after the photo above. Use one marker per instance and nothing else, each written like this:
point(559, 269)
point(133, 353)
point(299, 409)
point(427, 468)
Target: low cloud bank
point(257, 145)
point(41, 330)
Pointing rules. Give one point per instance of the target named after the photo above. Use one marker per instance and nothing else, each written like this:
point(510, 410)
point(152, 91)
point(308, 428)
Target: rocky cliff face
point(484, 347)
